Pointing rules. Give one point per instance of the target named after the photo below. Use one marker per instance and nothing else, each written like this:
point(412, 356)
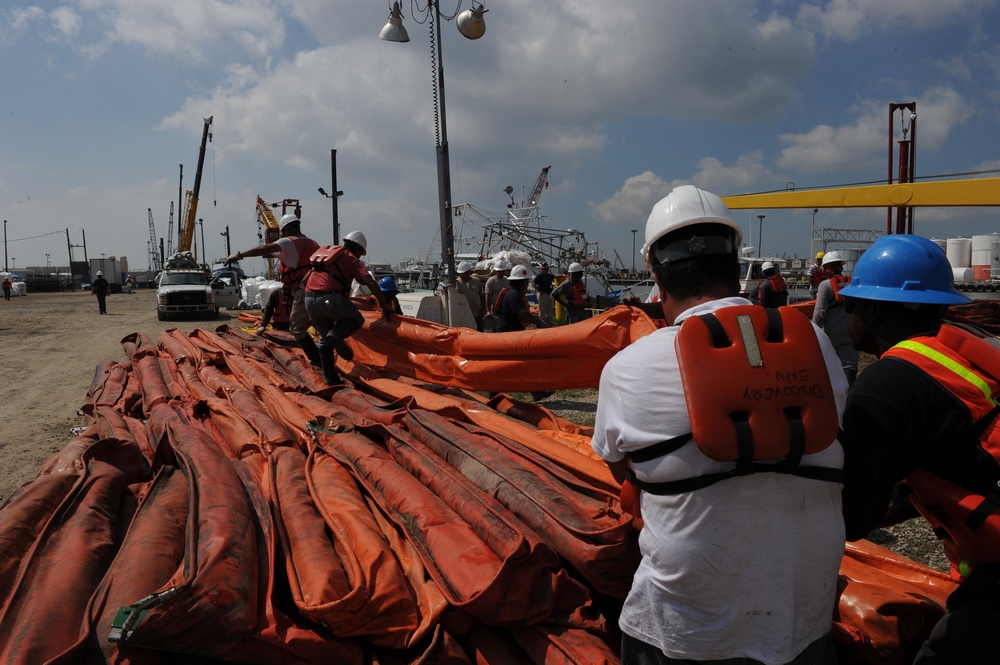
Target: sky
point(102, 101)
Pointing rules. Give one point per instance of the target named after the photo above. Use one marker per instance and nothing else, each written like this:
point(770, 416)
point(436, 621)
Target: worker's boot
point(343, 349)
point(330, 372)
point(312, 353)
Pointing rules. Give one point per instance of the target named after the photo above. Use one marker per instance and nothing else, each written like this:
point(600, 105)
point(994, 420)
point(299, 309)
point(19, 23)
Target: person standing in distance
point(816, 274)
point(543, 283)
point(101, 289)
point(921, 432)
point(572, 294)
point(293, 250)
point(708, 587)
point(328, 286)
point(830, 315)
point(472, 288)
point(771, 291)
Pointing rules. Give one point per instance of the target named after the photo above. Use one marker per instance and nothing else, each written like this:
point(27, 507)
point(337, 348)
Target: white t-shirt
point(744, 568)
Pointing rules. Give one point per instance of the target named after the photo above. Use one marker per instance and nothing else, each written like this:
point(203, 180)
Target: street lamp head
point(323, 192)
point(393, 31)
point(470, 22)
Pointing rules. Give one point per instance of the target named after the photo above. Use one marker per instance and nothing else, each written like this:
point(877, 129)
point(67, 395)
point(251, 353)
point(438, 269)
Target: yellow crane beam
point(943, 193)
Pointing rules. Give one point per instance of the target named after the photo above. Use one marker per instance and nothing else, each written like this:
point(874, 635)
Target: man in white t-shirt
point(746, 567)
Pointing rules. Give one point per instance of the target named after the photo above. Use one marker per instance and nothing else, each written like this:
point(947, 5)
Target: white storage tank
point(850, 256)
point(941, 242)
point(959, 251)
point(985, 249)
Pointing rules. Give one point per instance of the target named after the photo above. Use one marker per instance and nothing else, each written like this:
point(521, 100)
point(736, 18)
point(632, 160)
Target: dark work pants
point(637, 652)
point(969, 633)
point(101, 303)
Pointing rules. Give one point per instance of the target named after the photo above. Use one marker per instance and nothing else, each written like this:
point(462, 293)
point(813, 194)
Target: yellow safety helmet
point(819, 255)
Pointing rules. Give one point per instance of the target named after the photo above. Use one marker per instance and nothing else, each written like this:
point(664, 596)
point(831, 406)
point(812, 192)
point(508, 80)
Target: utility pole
point(6, 269)
point(204, 250)
point(335, 195)
point(760, 231)
point(229, 252)
point(634, 231)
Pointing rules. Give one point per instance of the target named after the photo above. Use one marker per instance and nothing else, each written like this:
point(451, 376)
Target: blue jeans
point(333, 313)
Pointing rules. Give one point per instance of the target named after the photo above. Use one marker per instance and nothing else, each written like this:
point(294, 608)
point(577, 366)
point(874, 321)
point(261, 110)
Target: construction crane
point(530, 207)
point(154, 253)
point(267, 219)
point(191, 204)
point(170, 231)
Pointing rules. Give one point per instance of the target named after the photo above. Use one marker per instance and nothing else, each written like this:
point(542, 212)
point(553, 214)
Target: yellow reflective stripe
point(950, 364)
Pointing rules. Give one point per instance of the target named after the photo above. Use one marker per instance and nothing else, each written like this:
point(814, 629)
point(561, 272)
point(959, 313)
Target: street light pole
point(335, 195)
point(470, 23)
point(760, 232)
point(812, 238)
point(634, 231)
point(6, 269)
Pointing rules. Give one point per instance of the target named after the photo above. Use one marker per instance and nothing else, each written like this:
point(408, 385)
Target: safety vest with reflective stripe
point(967, 365)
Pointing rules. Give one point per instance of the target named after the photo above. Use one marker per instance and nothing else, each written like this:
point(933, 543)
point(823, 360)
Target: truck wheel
point(161, 315)
point(216, 312)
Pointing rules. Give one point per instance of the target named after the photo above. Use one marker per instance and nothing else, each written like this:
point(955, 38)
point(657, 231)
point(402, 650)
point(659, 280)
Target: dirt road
point(50, 344)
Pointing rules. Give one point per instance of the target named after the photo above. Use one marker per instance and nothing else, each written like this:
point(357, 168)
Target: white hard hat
point(575, 267)
point(684, 206)
point(100, 274)
point(519, 272)
point(502, 264)
point(359, 238)
point(766, 265)
point(286, 220)
point(464, 267)
point(832, 257)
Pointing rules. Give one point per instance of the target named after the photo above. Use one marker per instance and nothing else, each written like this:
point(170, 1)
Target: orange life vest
point(818, 275)
point(327, 259)
point(758, 393)
point(966, 363)
point(778, 284)
point(579, 295)
point(836, 281)
point(292, 276)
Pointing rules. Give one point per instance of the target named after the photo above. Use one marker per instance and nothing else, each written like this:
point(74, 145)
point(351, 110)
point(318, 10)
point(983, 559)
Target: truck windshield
point(175, 278)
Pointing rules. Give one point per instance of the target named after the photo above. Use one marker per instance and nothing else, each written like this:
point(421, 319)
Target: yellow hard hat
point(819, 255)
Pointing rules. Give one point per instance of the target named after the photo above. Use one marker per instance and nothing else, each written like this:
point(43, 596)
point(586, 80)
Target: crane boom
point(170, 231)
point(529, 212)
point(154, 253)
point(191, 207)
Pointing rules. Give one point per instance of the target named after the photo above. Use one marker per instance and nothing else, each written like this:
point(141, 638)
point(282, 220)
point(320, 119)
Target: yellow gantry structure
point(943, 193)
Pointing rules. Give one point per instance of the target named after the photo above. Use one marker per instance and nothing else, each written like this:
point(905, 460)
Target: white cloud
point(851, 20)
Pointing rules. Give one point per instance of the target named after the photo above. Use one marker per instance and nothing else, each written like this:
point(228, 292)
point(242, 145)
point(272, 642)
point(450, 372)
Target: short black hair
point(716, 274)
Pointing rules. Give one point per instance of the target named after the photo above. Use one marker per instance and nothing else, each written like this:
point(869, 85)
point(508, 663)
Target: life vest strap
point(659, 449)
point(698, 482)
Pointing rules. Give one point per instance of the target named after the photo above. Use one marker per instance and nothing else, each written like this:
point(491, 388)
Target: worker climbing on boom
point(572, 294)
point(921, 432)
point(328, 288)
point(293, 250)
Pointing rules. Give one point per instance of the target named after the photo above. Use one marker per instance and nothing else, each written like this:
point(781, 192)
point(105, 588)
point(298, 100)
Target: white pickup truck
point(194, 292)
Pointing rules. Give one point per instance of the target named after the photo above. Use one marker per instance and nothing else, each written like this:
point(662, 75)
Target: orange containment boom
point(223, 503)
point(548, 359)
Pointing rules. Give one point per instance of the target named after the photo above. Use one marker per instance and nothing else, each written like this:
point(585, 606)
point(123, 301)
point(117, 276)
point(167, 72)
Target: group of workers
point(746, 504)
point(316, 281)
point(745, 508)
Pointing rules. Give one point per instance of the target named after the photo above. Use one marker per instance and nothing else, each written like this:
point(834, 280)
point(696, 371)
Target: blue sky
point(103, 99)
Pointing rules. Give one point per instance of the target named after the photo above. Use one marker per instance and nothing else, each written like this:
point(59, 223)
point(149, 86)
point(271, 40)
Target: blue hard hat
point(904, 268)
point(388, 283)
